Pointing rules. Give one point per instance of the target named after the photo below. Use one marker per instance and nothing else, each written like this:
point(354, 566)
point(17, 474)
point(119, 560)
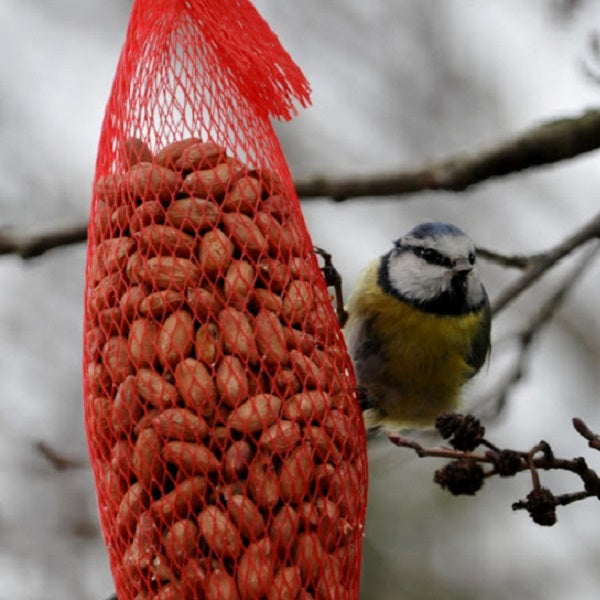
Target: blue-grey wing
point(366, 351)
point(480, 347)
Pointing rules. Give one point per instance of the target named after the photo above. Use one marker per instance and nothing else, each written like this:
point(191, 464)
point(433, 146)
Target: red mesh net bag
point(225, 437)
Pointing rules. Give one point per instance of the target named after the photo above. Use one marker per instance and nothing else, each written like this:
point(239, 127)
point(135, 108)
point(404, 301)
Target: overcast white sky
point(395, 83)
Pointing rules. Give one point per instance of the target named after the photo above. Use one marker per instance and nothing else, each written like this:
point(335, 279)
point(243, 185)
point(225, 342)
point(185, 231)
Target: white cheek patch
point(415, 279)
point(421, 282)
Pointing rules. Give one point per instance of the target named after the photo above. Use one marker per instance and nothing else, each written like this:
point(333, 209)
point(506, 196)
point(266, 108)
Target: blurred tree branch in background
point(536, 265)
point(32, 244)
point(545, 144)
point(57, 460)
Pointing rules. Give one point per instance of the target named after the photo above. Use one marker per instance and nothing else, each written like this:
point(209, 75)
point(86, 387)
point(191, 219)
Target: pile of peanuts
point(222, 432)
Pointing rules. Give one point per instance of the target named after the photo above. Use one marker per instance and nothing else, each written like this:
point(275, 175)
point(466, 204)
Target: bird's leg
point(334, 280)
point(364, 400)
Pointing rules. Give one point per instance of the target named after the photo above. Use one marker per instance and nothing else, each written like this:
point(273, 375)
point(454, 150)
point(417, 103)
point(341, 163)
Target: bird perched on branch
point(418, 327)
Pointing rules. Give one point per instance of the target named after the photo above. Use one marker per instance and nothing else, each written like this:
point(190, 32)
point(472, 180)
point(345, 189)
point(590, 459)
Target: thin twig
point(535, 477)
point(590, 67)
point(516, 261)
point(58, 461)
point(439, 452)
point(566, 499)
point(545, 312)
point(562, 500)
point(592, 438)
point(546, 261)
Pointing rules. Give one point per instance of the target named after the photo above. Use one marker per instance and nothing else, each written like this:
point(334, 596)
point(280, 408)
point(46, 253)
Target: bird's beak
point(462, 267)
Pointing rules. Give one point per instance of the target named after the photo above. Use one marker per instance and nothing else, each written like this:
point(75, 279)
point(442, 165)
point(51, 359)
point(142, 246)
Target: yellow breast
point(424, 354)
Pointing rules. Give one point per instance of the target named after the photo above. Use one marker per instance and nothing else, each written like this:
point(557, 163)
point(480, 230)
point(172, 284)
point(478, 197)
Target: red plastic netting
point(225, 437)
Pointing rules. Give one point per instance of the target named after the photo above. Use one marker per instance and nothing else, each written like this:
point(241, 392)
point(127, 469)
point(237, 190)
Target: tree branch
point(548, 143)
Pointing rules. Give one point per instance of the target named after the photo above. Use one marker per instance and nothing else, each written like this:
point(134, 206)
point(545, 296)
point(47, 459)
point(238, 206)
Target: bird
point(417, 328)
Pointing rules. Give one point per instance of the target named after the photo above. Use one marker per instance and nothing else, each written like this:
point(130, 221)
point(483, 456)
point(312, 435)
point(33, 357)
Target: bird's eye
point(472, 258)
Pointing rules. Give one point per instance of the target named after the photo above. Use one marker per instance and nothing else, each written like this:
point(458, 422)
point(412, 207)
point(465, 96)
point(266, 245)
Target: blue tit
point(418, 327)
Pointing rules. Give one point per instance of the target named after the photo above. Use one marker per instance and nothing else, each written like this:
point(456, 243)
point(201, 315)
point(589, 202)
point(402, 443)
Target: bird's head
point(433, 266)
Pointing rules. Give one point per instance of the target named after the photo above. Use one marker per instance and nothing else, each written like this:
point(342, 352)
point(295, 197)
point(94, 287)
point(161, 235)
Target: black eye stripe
point(431, 256)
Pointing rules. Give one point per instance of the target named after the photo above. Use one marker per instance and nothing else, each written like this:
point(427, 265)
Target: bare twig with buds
point(465, 473)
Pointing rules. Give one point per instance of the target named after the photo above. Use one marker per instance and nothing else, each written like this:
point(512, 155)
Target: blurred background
point(396, 83)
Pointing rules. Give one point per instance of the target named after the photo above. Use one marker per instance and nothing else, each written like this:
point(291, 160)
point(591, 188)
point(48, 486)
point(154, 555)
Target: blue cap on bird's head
point(434, 229)
point(430, 230)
